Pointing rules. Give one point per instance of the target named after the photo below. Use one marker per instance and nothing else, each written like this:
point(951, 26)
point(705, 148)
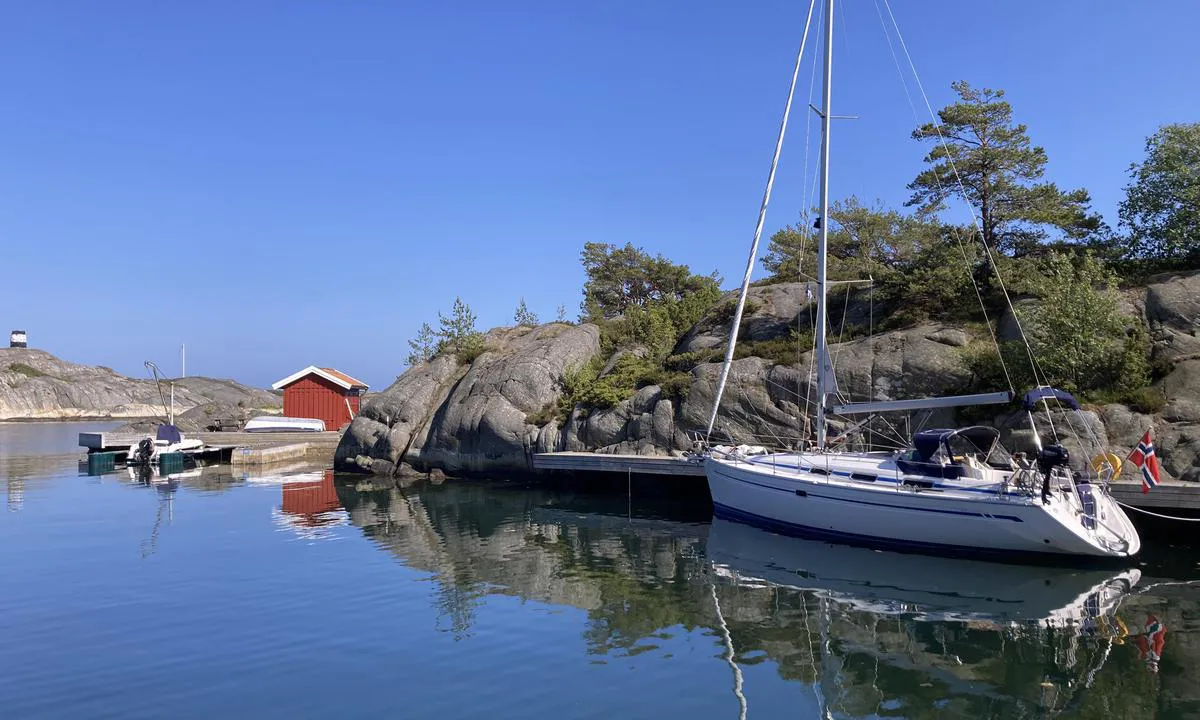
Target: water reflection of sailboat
point(921, 587)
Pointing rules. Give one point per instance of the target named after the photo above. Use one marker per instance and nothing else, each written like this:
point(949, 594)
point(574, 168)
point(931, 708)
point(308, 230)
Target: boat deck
point(1169, 496)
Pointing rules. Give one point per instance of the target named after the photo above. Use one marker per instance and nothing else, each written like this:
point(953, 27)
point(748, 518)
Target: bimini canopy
point(1035, 395)
point(928, 442)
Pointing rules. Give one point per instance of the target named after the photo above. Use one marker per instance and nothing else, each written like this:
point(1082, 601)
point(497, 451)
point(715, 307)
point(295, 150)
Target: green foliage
point(524, 316)
point(988, 370)
point(27, 370)
point(457, 334)
point(471, 348)
point(423, 346)
point(916, 263)
point(619, 279)
point(674, 385)
point(936, 282)
point(978, 143)
point(1147, 400)
point(863, 242)
point(585, 387)
point(643, 301)
point(781, 350)
point(561, 315)
point(684, 362)
point(629, 373)
point(1162, 201)
point(549, 413)
point(1078, 334)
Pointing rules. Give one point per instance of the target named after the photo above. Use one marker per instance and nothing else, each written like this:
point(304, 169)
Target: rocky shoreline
point(487, 417)
point(37, 386)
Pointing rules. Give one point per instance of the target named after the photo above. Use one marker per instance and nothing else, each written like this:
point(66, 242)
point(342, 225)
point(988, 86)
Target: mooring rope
point(1154, 514)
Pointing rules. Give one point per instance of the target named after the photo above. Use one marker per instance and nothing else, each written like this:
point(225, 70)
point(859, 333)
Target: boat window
point(994, 455)
point(818, 471)
point(863, 476)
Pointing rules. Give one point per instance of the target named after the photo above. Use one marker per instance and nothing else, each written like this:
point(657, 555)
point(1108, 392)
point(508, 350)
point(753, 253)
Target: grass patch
point(781, 351)
point(26, 370)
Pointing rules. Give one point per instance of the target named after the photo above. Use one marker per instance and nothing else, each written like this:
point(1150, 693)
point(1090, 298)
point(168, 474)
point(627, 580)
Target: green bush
point(685, 362)
point(781, 351)
point(1080, 339)
point(549, 413)
point(674, 384)
point(470, 348)
point(1147, 400)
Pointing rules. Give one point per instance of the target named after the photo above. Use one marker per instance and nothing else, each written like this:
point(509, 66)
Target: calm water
point(291, 595)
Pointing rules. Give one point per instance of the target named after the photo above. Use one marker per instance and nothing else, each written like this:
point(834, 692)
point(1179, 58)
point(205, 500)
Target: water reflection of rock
point(640, 579)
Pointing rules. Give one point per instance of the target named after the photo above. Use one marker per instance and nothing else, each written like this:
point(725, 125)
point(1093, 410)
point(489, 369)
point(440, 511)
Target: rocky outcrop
point(472, 417)
point(37, 385)
point(771, 311)
point(489, 416)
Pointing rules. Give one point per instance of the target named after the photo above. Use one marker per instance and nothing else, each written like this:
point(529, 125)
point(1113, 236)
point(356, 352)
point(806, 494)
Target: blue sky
point(285, 183)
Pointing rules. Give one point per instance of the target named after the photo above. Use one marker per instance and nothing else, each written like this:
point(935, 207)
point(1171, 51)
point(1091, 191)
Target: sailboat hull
point(789, 501)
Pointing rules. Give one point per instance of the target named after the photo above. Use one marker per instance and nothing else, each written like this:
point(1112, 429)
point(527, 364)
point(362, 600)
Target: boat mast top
point(822, 351)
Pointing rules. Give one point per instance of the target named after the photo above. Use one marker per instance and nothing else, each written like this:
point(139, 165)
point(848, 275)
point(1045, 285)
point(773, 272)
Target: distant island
point(35, 385)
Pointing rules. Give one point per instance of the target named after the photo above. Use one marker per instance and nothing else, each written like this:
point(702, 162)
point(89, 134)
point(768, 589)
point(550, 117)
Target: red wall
point(313, 396)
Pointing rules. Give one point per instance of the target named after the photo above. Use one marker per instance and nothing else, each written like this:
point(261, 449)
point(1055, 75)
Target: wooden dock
point(1166, 498)
point(601, 462)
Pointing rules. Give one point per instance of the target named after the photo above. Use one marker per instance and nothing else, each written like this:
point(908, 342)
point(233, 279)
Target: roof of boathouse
point(336, 377)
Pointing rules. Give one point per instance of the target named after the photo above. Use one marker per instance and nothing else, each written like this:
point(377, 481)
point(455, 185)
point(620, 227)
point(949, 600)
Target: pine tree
point(562, 313)
point(423, 346)
point(525, 316)
point(457, 332)
point(978, 144)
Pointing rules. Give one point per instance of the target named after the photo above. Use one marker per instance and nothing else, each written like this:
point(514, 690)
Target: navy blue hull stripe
point(890, 506)
point(804, 531)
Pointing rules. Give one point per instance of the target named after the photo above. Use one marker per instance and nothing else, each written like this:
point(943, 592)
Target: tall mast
point(822, 310)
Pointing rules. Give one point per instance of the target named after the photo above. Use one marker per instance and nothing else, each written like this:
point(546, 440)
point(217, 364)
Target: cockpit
point(972, 452)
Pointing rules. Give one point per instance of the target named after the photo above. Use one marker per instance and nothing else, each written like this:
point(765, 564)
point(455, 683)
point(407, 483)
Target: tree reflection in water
point(869, 634)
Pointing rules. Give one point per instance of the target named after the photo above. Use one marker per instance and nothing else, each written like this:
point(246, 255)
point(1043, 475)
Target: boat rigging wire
point(937, 125)
point(762, 215)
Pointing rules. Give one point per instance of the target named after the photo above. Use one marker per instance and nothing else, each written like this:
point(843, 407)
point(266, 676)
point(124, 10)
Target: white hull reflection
point(917, 586)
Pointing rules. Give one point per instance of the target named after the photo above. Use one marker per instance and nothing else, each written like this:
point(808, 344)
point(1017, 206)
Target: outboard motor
point(1048, 458)
point(145, 451)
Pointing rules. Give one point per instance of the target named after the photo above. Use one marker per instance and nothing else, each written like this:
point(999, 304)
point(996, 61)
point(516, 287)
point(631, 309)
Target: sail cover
point(1048, 393)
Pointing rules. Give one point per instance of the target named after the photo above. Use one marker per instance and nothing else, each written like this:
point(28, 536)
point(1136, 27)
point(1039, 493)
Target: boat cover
point(170, 433)
point(1033, 396)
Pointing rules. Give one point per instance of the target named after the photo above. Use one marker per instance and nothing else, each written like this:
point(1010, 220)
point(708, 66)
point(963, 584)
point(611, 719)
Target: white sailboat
point(952, 491)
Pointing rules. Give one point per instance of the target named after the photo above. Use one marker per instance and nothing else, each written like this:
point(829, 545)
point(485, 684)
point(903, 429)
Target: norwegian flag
point(1144, 458)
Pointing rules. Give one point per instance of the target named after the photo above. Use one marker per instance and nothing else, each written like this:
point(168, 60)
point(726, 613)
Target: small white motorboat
point(275, 423)
point(168, 439)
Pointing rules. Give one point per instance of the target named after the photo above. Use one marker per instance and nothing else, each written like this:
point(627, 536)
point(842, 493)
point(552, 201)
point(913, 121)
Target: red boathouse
point(321, 393)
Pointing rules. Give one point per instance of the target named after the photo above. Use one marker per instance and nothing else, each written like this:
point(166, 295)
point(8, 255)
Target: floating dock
point(1169, 497)
point(106, 450)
